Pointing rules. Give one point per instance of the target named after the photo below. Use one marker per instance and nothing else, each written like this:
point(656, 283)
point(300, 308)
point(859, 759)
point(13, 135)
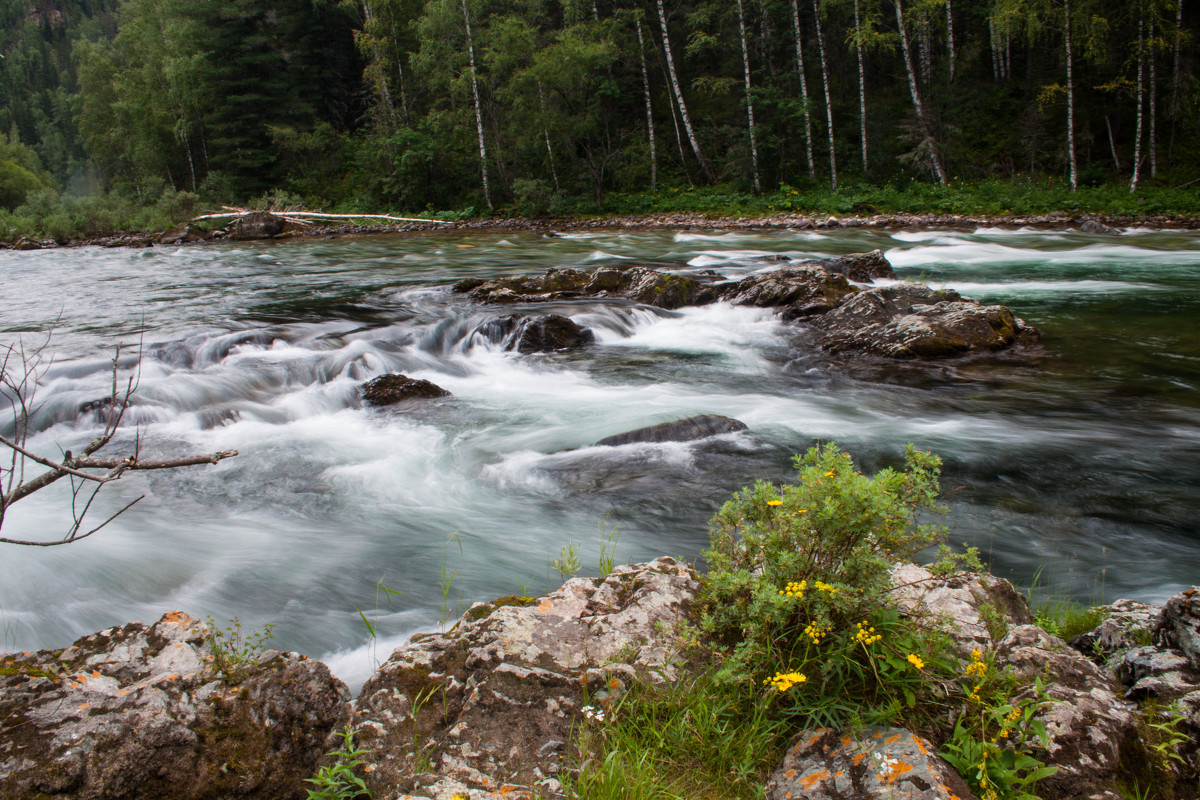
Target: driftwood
point(306, 217)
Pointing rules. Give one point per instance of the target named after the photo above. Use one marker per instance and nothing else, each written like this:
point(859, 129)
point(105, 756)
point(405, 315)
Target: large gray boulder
point(640, 284)
point(681, 430)
point(1178, 625)
point(802, 291)
point(143, 713)
point(493, 702)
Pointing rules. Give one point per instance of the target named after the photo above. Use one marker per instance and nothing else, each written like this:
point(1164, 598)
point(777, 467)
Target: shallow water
point(1077, 463)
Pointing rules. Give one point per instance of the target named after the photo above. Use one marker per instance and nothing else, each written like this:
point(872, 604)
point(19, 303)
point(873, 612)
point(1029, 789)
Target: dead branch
point(20, 372)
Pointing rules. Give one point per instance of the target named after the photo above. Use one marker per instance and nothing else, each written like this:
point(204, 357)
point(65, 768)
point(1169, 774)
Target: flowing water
point(1075, 466)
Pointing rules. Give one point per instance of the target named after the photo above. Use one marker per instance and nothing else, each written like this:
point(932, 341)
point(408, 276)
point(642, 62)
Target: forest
point(559, 106)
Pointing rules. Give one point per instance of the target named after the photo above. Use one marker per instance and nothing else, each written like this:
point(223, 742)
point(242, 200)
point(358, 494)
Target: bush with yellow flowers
point(798, 590)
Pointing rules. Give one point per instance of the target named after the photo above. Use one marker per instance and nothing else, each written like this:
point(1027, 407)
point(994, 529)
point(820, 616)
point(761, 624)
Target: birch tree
point(678, 92)
point(637, 21)
point(749, 100)
point(808, 146)
point(833, 179)
point(1137, 141)
point(923, 126)
point(483, 170)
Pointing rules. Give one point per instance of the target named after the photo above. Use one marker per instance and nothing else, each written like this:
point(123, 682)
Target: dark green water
point(1079, 461)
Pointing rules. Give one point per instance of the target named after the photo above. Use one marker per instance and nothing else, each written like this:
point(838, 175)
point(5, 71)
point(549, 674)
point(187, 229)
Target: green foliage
point(338, 781)
point(798, 589)
point(567, 562)
point(608, 546)
point(232, 652)
point(992, 743)
point(1066, 618)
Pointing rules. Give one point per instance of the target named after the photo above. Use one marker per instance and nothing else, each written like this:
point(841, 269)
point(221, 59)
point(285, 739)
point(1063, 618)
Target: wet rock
point(802, 290)
point(1151, 672)
point(552, 332)
point(1179, 624)
point(879, 764)
point(862, 267)
point(258, 225)
point(189, 234)
point(394, 387)
point(640, 284)
point(1127, 624)
point(139, 712)
point(1098, 228)
point(966, 604)
point(1090, 728)
point(681, 430)
point(915, 321)
point(490, 703)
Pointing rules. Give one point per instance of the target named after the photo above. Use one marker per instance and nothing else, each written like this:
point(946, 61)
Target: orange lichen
point(857, 758)
point(895, 772)
point(890, 739)
point(95, 673)
point(545, 606)
point(809, 781)
point(921, 744)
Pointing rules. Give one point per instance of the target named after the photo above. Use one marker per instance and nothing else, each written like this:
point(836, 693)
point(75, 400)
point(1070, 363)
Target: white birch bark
point(1153, 121)
point(749, 99)
point(1137, 141)
point(862, 87)
point(683, 112)
point(1112, 144)
point(487, 192)
point(833, 180)
point(950, 38)
point(995, 50)
point(546, 136)
point(649, 108)
point(808, 147)
point(1070, 96)
point(922, 122)
point(1175, 80)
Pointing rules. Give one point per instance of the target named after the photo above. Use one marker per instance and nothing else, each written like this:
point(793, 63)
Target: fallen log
point(302, 216)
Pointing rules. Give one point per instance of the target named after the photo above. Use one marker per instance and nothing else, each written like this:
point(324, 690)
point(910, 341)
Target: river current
point(1074, 467)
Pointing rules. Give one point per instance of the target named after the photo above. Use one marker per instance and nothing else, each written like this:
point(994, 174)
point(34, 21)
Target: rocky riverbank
point(1087, 223)
point(493, 707)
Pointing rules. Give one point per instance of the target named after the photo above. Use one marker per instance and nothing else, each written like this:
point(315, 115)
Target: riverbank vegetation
point(477, 107)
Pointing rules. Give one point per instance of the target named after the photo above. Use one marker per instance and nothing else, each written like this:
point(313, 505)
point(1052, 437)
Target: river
point(1074, 467)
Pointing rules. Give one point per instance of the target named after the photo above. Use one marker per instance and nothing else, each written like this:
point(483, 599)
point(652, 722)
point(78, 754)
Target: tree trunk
point(949, 37)
point(649, 109)
point(1112, 144)
point(1137, 139)
point(380, 78)
point(1071, 96)
point(808, 147)
point(995, 50)
point(487, 192)
point(922, 122)
point(749, 99)
point(862, 88)
point(833, 180)
point(1153, 131)
point(1175, 78)
point(546, 136)
point(683, 112)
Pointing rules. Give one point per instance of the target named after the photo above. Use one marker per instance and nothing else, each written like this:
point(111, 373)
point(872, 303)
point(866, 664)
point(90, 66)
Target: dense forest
point(540, 104)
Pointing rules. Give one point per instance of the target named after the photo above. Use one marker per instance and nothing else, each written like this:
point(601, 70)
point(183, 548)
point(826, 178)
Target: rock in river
point(394, 387)
point(681, 430)
point(550, 333)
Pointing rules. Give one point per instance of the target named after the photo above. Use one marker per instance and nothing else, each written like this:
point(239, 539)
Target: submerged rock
point(1094, 227)
point(915, 321)
point(141, 713)
point(681, 430)
point(490, 705)
point(640, 284)
point(394, 387)
point(876, 764)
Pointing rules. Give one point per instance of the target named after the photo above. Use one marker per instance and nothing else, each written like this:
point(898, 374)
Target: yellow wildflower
point(866, 635)
point(825, 587)
point(785, 680)
point(827, 474)
point(794, 589)
point(775, 502)
point(916, 661)
point(815, 632)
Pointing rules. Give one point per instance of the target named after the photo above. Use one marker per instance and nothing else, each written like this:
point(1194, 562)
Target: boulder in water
point(1098, 228)
point(862, 267)
point(640, 284)
point(550, 333)
point(681, 430)
point(394, 387)
point(802, 290)
point(258, 225)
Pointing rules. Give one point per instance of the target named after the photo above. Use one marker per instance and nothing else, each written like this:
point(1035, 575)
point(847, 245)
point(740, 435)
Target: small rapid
point(1076, 463)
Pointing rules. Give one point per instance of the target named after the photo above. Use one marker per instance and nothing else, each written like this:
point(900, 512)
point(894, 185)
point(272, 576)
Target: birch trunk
point(833, 180)
point(546, 136)
point(808, 147)
point(995, 50)
point(922, 122)
point(749, 100)
point(649, 109)
point(949, 37)
point(1137, 140)
point(1007, 55)
point(862, 87)
point(380, 78)
point(1071, 97)
point(1112, 144)
point(1175, 78)
point(487, 192)
point(683, 112)
point(1153, 131)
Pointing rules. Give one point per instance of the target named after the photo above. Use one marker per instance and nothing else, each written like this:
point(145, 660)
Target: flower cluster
point(977, 668)
point(794, 589)
point(1008, 723)
point(816, 632)
point(866, 635)
point(592, 713)
point(785, 680)
point(916, 661)
point(825, 587)
point(775, 502)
